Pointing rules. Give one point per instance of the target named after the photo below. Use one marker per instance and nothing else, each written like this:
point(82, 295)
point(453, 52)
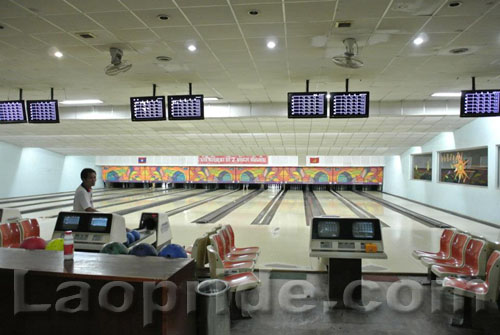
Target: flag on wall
point(142, 160)
point(313, 160)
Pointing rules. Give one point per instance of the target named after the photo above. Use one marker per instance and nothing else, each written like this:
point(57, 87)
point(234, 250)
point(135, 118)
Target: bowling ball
point(114, 248)
point(33, 243)
point(172, 251)
point(130, 238)
point(143, 249)
point(137, 235)
point(56, 244)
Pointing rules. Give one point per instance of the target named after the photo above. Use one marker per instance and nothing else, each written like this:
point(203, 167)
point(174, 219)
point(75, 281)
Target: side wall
point(476, 201)
point(29, 171)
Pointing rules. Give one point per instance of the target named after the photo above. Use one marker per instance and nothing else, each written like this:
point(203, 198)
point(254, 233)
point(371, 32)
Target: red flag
point(314, 160)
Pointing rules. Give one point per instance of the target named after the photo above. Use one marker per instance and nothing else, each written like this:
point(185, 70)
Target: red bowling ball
point(33, 243)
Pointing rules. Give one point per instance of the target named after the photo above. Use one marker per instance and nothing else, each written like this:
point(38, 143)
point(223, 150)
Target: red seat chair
point(476, 256)
point(487, 290)
point(16, 237)
point(29, 228)
point(236, 251)
point(218, 243)
point(457, 253)
point(219, 267)
point(35, 227)
point(233, 249)
point(10, 235)
point(445, 244)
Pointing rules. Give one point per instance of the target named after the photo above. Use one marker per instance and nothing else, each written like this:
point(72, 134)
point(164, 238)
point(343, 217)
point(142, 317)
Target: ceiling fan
point(349, 59)
point(117, 65)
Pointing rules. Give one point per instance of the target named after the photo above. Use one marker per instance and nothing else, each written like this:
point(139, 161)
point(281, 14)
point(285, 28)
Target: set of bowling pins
point(275, 186)
point(296, 187)
point(320, 187)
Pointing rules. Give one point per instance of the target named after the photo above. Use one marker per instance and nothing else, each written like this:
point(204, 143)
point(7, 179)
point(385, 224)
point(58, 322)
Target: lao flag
point(313, 160)
point(142, 160)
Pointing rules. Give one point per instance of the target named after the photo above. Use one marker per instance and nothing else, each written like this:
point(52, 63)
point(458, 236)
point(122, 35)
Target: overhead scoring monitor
point(148, 108)
point(349, 104)
point(307, 105)
point(185, 107)
point(480, 103)
point(12, 111)
point(42, 111)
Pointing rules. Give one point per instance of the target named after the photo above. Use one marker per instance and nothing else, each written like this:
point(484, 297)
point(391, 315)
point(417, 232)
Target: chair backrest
point(5, 235)
point(216, 242)
point(446, 241)
point(493, 275)
point(231, 235)
point(28, 229)
point(475, 249)
point(459, 246)
point(16, 234)
point(226, 240)
point(199, 251)
point(35, 227)
point(214, 262)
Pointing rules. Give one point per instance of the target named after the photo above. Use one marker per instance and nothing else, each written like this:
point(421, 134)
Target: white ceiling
point(233, 63)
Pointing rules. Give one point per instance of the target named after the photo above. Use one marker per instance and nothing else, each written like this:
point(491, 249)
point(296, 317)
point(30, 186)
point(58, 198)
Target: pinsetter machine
point(92, 230)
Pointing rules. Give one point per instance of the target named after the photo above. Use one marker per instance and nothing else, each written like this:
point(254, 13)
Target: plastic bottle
point(68, 245)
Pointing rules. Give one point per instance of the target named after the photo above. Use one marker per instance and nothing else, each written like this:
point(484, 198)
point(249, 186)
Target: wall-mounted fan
point(117, 64)
point(349, 59)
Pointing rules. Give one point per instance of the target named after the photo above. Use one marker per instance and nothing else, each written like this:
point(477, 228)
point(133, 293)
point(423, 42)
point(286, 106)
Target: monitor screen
point(480, 103)
point(71, 222)
point(307, 105)
point(185, 107)
point(42, 111)
point(328, 229)
point(98, 224)
point(349, 104)
point(363, 230)
point(148, 108)
point(12, 112)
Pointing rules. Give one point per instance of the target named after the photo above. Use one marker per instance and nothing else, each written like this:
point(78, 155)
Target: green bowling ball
point(114, 248)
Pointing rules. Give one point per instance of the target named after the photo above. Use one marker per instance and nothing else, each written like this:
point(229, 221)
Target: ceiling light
point(271, 44)
point(253, 12)
point(328, 96)
point(447, 94)
point(418, 41)
point(162, 17)
point(210, 99)
point(81, 102)
point(192, 47)
point(58, 54)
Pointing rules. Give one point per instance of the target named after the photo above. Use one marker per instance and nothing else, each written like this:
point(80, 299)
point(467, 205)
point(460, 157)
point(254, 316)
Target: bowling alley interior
point(249, 167)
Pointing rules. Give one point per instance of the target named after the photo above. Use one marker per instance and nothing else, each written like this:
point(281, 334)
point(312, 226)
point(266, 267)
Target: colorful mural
point(308, 175)
point(229, 174)
point(358, 175)
point(259, 175)
point(211, 174)
point(465, 167)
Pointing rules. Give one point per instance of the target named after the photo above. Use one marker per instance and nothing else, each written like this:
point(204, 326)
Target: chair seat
point(240, 258)
point(228, 265)
point(242, 281)
point(466, 270)
point(473, 287)
point(452, 262)
point(433, 255)
point(248, 250)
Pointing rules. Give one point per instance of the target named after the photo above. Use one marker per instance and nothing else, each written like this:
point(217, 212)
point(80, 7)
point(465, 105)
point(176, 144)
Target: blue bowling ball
point(173, 251)
point(143, 249)
point(137, 235)
point(130, 238)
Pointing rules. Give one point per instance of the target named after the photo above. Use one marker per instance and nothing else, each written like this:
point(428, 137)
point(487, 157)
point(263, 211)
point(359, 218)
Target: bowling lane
point(476, 228)
point(184, 231)
point(47, 195)
point(333, 206)
point(132, 219)
point(55, 211)
point(66, 199)
point(400, 239)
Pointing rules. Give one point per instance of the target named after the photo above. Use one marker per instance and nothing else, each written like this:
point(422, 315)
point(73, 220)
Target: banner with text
point(232, 160)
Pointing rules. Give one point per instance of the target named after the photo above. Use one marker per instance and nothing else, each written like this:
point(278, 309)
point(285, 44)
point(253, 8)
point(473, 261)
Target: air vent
point(343, 24)
point(459, 51)
point(164, 58)
point(86, 35)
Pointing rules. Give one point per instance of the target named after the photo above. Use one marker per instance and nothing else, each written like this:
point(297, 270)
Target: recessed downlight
point(192, 47)
point(271, 44)
point(418, 41)
point(253, 12)
point(58, 54)
point(455, 4)
point(163, 17)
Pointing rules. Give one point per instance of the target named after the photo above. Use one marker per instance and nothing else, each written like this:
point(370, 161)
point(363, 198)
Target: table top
point(93, 265)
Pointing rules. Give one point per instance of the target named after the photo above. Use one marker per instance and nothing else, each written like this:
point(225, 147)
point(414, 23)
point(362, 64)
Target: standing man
point(83, 194)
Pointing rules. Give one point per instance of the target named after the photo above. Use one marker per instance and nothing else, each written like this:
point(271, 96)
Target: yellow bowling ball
point(55, 244)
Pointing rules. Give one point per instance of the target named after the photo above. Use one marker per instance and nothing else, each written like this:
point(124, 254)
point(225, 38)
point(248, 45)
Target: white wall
point(29, 171)
point(476, 201)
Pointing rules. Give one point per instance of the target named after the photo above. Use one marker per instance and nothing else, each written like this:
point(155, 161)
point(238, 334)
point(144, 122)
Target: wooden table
point(47, 270)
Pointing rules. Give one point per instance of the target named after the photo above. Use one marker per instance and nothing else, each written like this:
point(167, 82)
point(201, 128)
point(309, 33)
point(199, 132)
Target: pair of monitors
point(480, 103)
point(342, 105)
point(39, 111)
point(180, 107)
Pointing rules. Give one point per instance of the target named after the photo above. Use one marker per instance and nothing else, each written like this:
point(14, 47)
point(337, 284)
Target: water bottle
point(68, 245)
